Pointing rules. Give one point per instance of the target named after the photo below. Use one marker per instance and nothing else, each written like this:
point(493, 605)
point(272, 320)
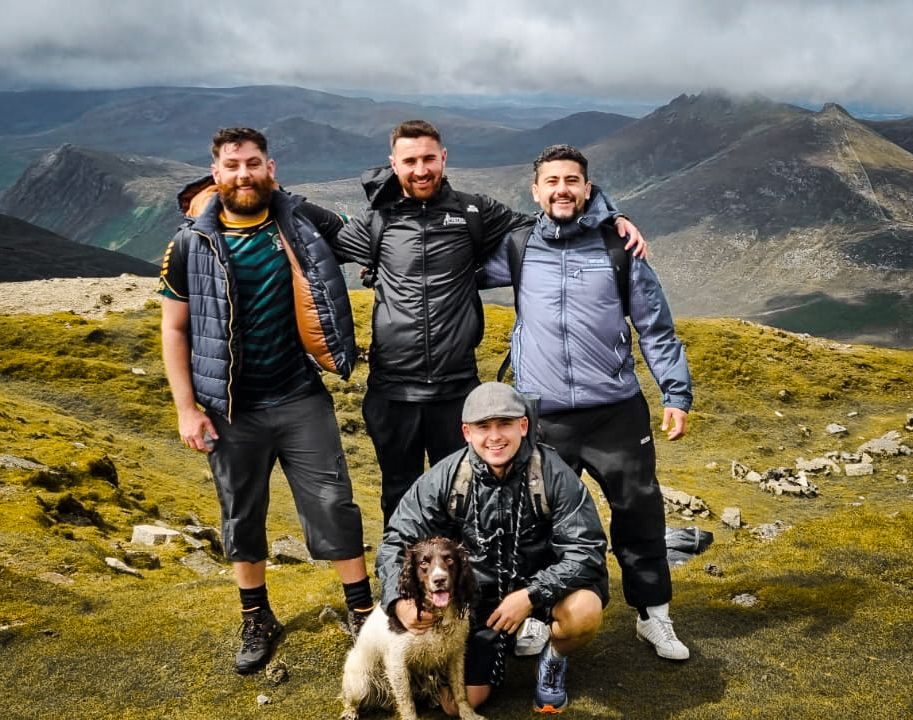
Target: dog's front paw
point(468, 713)
point(349, 714)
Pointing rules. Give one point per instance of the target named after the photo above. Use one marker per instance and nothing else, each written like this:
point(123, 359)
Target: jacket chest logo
point(453, 220)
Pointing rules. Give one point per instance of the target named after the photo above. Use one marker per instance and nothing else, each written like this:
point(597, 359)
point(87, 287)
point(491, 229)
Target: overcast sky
point(626, 50)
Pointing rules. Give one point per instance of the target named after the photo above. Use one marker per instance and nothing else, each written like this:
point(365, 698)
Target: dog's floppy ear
point(408, 586)
point(465, 589)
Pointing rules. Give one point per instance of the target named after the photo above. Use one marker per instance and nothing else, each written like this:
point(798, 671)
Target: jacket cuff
point(536, 596)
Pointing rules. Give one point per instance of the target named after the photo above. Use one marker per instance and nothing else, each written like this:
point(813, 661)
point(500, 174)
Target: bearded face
point(248, 196)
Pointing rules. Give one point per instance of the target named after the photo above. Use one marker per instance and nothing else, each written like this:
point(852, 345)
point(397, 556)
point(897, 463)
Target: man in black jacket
point(534, 539)
point(427, 318)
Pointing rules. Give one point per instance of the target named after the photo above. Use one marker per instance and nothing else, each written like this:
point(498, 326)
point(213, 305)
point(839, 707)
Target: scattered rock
point(858, 469)
point(888, 444)
point(713, 570)
point(121, 567)
point(732, 517)
point(901, 479)
point(153, 535)
point(17, 463)
point(909, 424)
point(205, 532)
point(263, 700)
point(80, 446)
point(805, 430)
point(712, 466)
point(201, 563)
point(738, 470)
point(818, 465)
point(137, 371)
point(56, 578)
point(769, 531)
point(328, 616)
point(835, 429)
point(784, 395)
point(277, 672)
point(745, 600)
point(852, 414)
point(287, 549)
point(142, 559)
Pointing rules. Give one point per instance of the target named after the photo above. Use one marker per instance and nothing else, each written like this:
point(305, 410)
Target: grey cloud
point(636, 50)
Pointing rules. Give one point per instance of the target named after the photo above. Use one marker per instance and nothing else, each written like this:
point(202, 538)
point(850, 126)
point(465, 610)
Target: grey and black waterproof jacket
point(571, 343)
point(215, 335)
point(559, 551)
point(427, 318)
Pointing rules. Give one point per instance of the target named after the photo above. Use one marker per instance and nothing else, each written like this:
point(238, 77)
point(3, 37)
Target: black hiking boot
point(260, 631)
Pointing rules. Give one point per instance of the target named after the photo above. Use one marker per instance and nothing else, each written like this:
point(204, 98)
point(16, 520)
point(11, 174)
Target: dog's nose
point(439, 577)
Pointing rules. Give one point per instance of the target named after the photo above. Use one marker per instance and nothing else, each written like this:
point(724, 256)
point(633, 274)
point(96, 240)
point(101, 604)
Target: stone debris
point(909, 423)
point(277, 672)
point(122, 567)
point(142, 559)
point(56, 578)
point(852, 414)
point(769, 531)
point(208, 533)
point(713, 570)
point(888, 444)
point(823, 465)
point(858, 469)
point(732, 517)
point(263, 700)
point(835, 429)
point(137, 371)
point(901, 478)
point(745, 600)
point(688, 506)
point(201, 563)
point(18, 463)
point(153, 535)
point(287, 549)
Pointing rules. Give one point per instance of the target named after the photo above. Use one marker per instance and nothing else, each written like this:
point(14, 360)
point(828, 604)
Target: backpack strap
point(458, 501)
point(537, 485)
point(376, 229)
point(621, 262)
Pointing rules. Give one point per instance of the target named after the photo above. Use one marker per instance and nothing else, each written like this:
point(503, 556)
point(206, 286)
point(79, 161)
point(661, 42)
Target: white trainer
point(531, 637)
point(658, 631)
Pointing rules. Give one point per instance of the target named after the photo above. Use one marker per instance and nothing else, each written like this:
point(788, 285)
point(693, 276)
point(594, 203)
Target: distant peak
point(834, 109)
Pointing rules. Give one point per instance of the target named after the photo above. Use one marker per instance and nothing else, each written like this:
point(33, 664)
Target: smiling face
point(561, 189)
point(245, 178)
point(419, 164)
point(496, 440)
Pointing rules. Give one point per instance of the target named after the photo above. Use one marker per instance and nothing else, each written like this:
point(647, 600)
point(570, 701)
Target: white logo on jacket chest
point(453, 220)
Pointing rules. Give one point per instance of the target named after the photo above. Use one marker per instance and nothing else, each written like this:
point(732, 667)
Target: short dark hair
point(414, 129)
point(561, 152)
point(236, 136)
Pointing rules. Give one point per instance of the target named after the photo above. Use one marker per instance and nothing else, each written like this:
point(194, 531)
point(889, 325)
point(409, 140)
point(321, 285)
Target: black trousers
point(403, 433)
point(614, 444)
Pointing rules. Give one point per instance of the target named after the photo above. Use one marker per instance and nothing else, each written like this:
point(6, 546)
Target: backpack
point(458, 501)
point(469, 204)
point(614, 246)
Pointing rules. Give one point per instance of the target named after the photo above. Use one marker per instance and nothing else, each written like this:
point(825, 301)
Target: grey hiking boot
point(260, 631)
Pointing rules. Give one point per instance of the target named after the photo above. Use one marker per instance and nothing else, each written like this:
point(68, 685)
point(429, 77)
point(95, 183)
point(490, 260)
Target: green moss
point(828, 637)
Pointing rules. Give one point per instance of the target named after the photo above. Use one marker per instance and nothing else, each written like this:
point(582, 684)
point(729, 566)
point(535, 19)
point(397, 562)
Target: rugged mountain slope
point(117, 203)
point(324, 136)
point(33, 253)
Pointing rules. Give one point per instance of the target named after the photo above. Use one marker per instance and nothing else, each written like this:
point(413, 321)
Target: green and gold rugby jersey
point(274, 368)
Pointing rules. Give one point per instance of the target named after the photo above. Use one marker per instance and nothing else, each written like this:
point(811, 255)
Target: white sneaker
point(657, 631)
point(531, 637)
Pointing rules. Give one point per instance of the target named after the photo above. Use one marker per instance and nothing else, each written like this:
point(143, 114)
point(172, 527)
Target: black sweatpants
point(614, 444)
point(402, 433)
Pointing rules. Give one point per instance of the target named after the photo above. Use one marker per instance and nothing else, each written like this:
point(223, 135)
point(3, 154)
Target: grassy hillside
point(828, 636)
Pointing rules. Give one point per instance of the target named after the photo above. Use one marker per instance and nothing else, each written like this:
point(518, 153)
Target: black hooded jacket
point(554, 555)
point(427, 318)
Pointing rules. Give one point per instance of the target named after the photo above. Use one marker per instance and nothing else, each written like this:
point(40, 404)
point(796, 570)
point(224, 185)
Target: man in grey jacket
point(571, 345)
point(534, 539)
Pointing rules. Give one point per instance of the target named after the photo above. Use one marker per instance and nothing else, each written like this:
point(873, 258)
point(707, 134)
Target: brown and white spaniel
point(389, 665)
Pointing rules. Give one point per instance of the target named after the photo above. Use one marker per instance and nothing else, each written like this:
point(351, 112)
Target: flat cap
point(493, 400)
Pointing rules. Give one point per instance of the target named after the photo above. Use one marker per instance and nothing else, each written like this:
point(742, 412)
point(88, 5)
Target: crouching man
point(534, 539)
